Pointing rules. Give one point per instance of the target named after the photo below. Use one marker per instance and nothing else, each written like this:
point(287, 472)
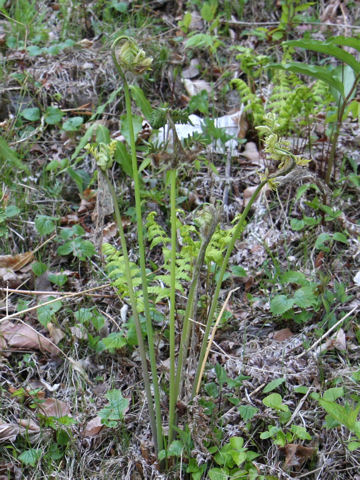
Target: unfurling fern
point(115, 267)
point(252, 102)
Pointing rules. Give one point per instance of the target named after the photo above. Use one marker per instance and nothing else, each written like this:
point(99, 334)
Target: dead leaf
point(8, 432)
point(251, 153)
point(193, 87)
point(296, 455)
point(192, 70)
point(88, 201)
point(93, 427)
point(283, 334)
point(110, 231)
point(16, 262)
point(56, 333)
point(18, 335)
point(52, 407)
point(29, 425)
point(248, 192)
point(71, 219)
point(337, 341)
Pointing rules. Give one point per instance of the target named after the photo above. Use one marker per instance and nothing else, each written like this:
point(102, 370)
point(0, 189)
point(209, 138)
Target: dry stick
point(76, 294)
point(211, 339)
point(59, 294)
point(327, 333)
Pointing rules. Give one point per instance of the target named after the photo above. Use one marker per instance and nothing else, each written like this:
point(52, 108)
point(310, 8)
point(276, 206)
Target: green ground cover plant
point(176, 310)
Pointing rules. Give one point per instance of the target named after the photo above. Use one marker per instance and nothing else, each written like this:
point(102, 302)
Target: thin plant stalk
point(339, 121)
point(142, 349)
point(236, 235)
point(172, 384)
point(139, 221)
point(192, 300)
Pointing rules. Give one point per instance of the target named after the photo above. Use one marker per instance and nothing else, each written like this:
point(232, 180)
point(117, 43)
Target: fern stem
point(158, 438)
point(139, 221)
point(172, 384)
point(192, 300)
point(238, 231)
point(133, 302)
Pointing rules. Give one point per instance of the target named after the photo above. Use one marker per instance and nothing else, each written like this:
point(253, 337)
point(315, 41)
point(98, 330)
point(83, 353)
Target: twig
point(31, 309)
point(211, 339)
point(59, 294)
point(327, 333)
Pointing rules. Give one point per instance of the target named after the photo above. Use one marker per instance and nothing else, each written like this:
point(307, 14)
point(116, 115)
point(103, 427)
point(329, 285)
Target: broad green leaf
point(274, 400)
point(73, 124)
point(238, 271)
point(281, 304)
point(81, 178)
point(300, 432)
point(53, 115)
point(353, 446)
point(304, 297)
point(141, 101)
point(125, 130)
point(322, 240)
point(114, 341)
point(327, 49)
point(297, 224)
point(34, 50)
point(46, 312)
point(123, 157)
point(301, 389)
point(332, 394)
point(218, 474)
point(8, 156)
point(103, 135)
point(247, 412)
point(273, 385)
point(31, 114)
point(59, 279)
point(11, 211)
point(114, 412)
point(321, 73)
point(30, 457)
point(45, 224)
point(119, 6)
point(340, 237)
point(175, 449)
point(293, 276)
point(39, 268)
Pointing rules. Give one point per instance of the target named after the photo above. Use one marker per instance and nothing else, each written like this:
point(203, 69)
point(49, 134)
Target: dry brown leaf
point(296, 455)
point(192, 70)
point(18, 335)
point(283, 334)
point(251, 153)
point(337, 341)
point(8, 432)
point(248, 192)
point(29, 425)
point(16, 262)
point(110, 231)
point(56, 333)
point(71, 219)
point(93, 427)
point(52, 407)
point(88, 201)
point(193, 87)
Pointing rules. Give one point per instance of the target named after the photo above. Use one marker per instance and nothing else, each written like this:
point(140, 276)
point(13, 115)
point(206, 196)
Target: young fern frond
point(115, 266)
point(252, 102)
